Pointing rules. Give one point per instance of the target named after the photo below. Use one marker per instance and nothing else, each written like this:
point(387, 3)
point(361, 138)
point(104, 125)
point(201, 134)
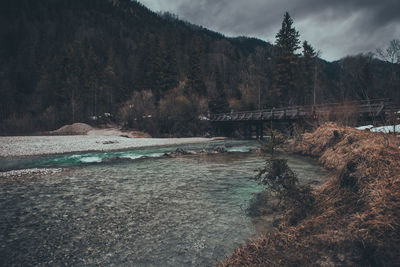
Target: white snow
point(380, 129)
point(365, 127)
point(203, 118)
point(386, 129)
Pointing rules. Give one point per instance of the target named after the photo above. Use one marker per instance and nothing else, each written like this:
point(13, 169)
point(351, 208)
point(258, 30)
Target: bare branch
point(392, 52)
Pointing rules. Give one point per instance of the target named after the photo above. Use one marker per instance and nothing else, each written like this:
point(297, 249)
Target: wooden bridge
point(368, 110)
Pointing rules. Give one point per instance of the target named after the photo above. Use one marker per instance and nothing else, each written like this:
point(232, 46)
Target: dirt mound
point(73, 129)
point(356, 218)
point(118, 132)
point(85, 129)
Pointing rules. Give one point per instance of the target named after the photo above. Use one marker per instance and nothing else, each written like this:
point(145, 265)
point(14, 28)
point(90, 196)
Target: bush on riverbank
point(356, 215)
point(282, 183)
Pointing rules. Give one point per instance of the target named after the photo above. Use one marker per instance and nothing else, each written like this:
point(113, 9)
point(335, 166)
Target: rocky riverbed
point(15, 146)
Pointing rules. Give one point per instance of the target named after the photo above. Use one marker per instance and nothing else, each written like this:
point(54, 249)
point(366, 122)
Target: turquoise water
point(80, 159)
point(118, 208)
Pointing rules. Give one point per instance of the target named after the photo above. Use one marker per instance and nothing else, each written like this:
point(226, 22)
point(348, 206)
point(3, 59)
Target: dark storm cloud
point(337, 28)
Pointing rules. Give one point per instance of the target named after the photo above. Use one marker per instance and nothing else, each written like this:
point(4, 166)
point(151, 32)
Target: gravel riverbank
point(16, 146)
point(29, 172)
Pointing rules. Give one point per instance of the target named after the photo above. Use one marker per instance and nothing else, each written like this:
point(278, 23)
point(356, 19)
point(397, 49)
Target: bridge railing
point(374, 106)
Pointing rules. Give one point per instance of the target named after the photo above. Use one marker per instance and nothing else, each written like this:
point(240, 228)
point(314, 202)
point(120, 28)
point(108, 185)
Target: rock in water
point(220, 149)
point(180, 151)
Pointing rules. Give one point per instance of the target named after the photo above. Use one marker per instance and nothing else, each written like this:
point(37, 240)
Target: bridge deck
point(370, 108)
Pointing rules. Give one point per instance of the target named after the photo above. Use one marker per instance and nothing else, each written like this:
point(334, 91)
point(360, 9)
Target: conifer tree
point(287, 39)
point(92, 69)
point(218, 102)
point(285, 84)
point(165, 71)
point(308, 50)
point(195, 79)
point(71, 75)
point(145, 59)
point(171, 71)
point(110, 82)
point(309, 61)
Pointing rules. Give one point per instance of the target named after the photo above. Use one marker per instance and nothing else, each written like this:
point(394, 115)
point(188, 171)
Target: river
point(118, 208)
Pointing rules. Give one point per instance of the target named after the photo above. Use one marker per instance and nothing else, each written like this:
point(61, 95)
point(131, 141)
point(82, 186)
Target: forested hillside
point(74, 61)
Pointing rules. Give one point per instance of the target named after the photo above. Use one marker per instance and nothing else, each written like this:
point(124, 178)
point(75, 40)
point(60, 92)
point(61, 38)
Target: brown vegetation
point(345, 114)
point(356, 216)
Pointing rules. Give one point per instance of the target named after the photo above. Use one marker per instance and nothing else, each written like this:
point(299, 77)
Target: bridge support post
point(247, 129)
point(257, 131)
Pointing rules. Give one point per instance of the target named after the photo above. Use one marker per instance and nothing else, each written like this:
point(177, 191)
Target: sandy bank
point(14, 146)
point(85, 129)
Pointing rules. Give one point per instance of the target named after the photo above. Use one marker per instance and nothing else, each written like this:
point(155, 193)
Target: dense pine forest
point(98, 61)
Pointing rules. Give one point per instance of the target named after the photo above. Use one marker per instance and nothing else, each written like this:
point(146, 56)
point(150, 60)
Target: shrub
point(281, 182)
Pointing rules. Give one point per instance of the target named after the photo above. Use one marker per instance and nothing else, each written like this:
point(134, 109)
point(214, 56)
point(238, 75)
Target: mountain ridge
point(70, 61)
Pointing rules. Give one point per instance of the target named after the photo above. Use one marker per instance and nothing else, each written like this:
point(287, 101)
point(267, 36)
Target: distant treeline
point(75, 61)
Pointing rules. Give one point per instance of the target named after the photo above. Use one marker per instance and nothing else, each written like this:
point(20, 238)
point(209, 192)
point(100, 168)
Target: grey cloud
point(338, 27)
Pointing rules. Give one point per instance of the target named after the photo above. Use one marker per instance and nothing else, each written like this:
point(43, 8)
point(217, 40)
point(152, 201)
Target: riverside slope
point(356, 218)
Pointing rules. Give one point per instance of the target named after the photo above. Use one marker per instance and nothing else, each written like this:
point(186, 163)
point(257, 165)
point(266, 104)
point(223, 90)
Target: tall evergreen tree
point(165, 71)
point(195, 75)
point(218, 102)
point(71, 81)
point(170, 68)
point(110, 82)
point(285, 84)
point(308, 50)
point(92, 80)
point(145, 60)
point(287, 39)
point(309, 72)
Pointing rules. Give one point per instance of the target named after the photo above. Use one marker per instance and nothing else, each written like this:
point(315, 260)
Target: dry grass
point(356, 218)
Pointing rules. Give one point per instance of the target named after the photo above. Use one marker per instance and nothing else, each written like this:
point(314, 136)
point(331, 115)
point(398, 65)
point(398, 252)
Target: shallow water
point(79, 159)
point(181, 211)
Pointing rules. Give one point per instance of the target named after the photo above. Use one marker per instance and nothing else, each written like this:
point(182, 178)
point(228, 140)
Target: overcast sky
point(336, 28)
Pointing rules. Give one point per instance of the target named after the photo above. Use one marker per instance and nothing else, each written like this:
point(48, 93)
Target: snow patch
point(366, 127)
point(386, 129)
point(381, 129)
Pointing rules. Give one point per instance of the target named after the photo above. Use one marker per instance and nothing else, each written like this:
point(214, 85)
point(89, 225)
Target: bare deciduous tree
point(391, 53)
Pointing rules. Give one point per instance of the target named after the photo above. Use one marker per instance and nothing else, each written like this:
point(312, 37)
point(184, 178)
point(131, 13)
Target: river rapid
point(134, 207)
